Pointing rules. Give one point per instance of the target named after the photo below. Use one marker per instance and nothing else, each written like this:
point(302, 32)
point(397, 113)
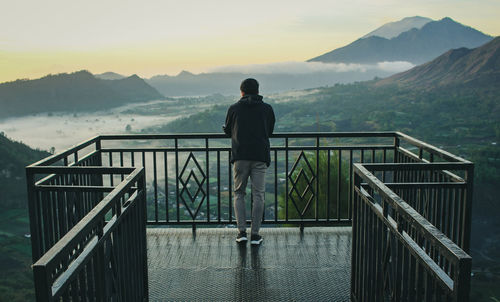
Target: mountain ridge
point(415, 45)
point(462, 66)
point(394, 29)
point(71, 92)
point(109, 75)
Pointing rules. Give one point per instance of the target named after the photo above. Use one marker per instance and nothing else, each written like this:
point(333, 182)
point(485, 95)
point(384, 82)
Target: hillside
point(415, 45)
point(463, 66)
point(16, 281)
point(78, 91)
point(14, 156)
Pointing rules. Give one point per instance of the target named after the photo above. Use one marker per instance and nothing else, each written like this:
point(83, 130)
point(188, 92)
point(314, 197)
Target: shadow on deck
point(287, 266)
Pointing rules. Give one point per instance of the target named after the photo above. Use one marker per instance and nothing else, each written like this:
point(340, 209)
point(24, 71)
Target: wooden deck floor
point(287, 266)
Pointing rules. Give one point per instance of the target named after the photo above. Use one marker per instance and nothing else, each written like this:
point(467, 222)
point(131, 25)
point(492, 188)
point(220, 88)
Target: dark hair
point(250, 86)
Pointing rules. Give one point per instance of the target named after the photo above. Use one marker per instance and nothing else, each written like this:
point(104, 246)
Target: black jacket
point(250, 122)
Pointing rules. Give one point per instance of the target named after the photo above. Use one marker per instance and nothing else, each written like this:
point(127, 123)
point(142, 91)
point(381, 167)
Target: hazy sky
point(164, 37)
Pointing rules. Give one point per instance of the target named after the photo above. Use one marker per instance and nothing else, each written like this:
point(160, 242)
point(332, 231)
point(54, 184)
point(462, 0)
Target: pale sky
point(151, 37)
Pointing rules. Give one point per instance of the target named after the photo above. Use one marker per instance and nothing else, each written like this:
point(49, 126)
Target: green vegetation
point(16, 277)
point(14, 156)
point(301, 194)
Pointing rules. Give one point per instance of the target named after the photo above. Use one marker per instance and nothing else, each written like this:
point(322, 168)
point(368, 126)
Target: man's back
point(250, 122)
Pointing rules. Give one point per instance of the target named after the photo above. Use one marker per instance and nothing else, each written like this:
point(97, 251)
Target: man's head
point(249, 86)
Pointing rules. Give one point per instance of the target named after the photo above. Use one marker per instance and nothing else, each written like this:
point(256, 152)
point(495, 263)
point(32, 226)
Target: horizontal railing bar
point(311, 222)
point(62, 281)
point(221, 135)
point(415, 157)
point(416, 166)
point(88, 221)
point(77, 188)
point(277, 148)
point(80, 170)
point(430, 148)
point(444, 244)
point(56, 157)
point(412, 246)
point(49, 177)
point(394, 185)
point(67, 276)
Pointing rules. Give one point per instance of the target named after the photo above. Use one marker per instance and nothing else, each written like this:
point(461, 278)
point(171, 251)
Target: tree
point(302, 192)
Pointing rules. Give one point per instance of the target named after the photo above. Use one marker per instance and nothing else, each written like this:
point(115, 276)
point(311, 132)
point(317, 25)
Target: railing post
point(34, 223)
point(99, 266)
point(461, 285)
point(43, 287)
point(395, 159)
point(143, 206)
point(469, 178)
point(354, 252)
point(286, 179)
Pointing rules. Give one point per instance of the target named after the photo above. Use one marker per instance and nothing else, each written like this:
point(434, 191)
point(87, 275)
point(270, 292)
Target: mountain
point(228, 83)
point(71, 92)
point(394, 29)
point(134, 88)
point(462, 66)
point(415, 45)
point(109, 76)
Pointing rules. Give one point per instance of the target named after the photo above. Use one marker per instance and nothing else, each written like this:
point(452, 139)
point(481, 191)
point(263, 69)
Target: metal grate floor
point(287, 266)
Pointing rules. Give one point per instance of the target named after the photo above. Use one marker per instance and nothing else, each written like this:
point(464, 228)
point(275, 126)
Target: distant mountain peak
point(448, 19)
point(109, 75)
point(394, 29)
point(185, 73)
point(417, 45)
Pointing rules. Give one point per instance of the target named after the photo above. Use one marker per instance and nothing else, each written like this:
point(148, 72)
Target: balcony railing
point(409, 204)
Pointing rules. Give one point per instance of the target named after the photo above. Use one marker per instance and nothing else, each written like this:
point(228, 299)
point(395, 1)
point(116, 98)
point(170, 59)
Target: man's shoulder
point(268, 106)
point(233, 106)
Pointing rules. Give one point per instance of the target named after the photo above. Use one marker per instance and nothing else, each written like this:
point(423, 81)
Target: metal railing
point(411, 228)
point(187, 180)
point(91, 248)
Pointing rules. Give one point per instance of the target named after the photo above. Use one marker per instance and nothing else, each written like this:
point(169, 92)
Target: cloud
point(292, 67)
point(396, 66)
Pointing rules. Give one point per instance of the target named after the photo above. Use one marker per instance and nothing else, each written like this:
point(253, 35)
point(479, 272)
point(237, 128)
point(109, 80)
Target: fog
point(312, 67)
point(62, 130)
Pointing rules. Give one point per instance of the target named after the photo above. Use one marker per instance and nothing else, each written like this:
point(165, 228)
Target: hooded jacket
point(249, 123)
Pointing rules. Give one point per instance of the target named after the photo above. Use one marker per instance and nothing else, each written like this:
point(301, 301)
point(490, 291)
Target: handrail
point(56, 157)
point(68, 240)
point(70, 258)
point(430, 148)
point(445, 244)
point(445, 261)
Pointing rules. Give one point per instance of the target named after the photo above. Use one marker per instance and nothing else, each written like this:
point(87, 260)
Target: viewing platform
point(359, 216)
point(289, 265)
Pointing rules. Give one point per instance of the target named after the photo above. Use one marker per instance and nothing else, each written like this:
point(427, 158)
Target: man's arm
point(228, 125)
point(272, 121)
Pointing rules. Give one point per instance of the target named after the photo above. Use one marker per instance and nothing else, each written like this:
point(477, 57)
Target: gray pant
point(257, 171)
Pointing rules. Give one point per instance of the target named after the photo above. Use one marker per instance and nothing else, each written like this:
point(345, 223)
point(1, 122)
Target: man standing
point(249, 122)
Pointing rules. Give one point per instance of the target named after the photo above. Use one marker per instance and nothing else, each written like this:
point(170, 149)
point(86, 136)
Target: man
point(249, 122)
